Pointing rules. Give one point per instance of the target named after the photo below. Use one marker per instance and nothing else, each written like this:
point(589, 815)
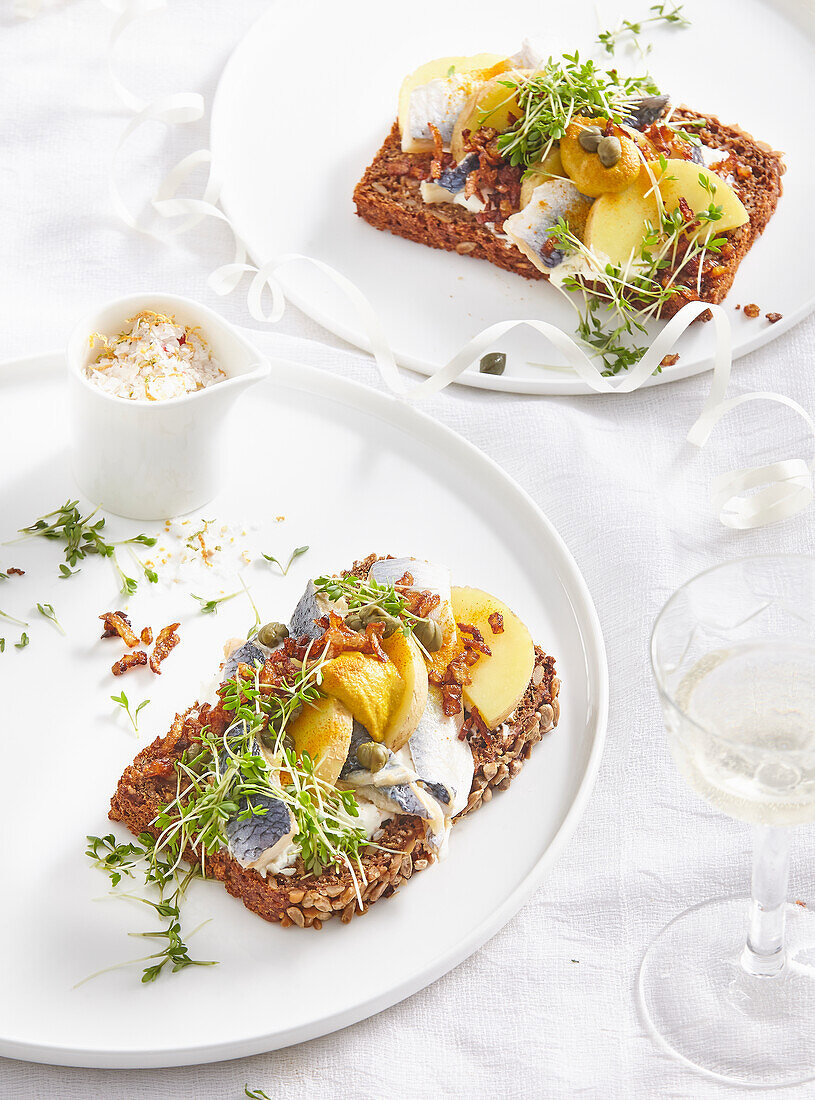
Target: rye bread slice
point(306, 900)
point(388, 198)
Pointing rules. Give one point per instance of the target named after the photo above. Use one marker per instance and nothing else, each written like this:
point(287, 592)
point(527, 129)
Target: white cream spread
point(154, 358)
point(432, 192)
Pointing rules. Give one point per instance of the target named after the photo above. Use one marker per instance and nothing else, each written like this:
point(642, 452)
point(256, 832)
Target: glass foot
point(702, 1005)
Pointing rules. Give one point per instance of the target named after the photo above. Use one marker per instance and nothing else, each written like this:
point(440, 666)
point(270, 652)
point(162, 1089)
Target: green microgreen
point(3, 576)
point(258, 623)
point(81, 538)
point(619, 299)
point(632, 29)
point(2, 645)
point(209, 606)
point(10, 618)
point(162, 877)
point(23, 642)
point(123, 702)
point(47, 611)
point(127, 585)
point(364, 593)
point(556, 92)
point(296, 553)
point(259, 1094)
point(149, 572)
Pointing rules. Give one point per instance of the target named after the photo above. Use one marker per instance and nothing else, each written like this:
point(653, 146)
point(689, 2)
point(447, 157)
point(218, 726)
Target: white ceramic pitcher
point(154, 459)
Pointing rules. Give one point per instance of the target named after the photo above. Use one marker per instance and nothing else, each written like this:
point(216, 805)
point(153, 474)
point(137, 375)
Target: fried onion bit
point(117, 623)
point(166, 641)
point(130, 660)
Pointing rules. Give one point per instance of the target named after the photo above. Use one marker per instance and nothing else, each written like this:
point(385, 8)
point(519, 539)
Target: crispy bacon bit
point(147, 635)
point(771, 317)
point(496, 183)
point(339, 638)
point(13, 571)
point(477, 728)
point(751, 310)
point(118, 624)
point(473, 638)
point(669, 360)
point(130, 660)
point(166, 641)
point(685, 208)
point(496, 621)
point(437, 163)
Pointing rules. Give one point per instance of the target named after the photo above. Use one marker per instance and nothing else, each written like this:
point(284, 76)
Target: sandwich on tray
point(338, 751)
point(556, 169)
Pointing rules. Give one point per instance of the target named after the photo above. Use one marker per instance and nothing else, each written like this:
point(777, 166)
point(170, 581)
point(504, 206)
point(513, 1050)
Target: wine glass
point(729, 985)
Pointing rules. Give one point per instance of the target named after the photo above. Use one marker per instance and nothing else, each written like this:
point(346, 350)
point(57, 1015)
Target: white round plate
point(351, 471)
point(310, 94)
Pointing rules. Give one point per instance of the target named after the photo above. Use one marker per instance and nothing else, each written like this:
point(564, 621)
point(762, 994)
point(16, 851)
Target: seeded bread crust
point(390, 200)
point(307, 901)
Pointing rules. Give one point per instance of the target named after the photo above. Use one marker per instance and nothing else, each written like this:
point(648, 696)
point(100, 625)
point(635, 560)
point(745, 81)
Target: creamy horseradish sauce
point(152, 359)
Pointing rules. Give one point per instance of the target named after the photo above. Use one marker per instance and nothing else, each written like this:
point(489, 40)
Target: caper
point(272, 634)
point(428, 634)
point(589, 138)
point(494, 363)
point(609, 151)
point(268, 740)
point(373, 613)
point(372, 756)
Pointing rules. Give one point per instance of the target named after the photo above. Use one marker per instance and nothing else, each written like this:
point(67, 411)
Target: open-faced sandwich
point(556, 169)
point(339, 750)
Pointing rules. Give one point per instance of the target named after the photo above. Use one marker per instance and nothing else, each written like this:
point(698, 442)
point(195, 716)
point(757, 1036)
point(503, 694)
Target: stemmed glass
point(729, 985)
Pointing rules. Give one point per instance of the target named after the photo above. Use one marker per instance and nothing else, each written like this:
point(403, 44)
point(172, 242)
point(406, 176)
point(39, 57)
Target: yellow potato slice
point(324, 732)
point(499, 681)
point(617, 223)
point(406, 656)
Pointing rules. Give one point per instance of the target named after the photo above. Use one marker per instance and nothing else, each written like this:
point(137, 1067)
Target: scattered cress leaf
point(296, 553)
point(47, 611)
point(209, 606)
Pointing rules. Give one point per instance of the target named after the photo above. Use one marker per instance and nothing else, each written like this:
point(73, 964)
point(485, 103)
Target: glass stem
point(764, 955)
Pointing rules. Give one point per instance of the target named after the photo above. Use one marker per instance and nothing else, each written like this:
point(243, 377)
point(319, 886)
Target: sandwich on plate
point(556, 169)
point(339, 749)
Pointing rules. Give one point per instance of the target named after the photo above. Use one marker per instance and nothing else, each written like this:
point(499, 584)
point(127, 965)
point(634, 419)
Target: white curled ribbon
point(744, 498)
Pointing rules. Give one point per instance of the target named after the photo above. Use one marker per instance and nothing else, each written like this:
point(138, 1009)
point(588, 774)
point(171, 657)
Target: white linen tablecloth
point(547, 1007)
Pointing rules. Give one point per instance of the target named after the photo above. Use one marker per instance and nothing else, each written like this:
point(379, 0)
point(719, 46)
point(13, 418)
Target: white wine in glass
point(729, 986)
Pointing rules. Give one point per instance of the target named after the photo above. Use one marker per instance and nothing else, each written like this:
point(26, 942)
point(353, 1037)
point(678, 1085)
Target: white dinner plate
point(351, 471)
point(310, 93)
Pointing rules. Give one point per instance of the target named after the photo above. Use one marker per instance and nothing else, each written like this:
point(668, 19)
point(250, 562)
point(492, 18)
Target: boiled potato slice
point(478, 68)
point(493, 104)
point(538, 173)
point(324, 732)
point(617, 224)
point(371, 689)
point(499, 681)
point(682, 179)
point(405, 654)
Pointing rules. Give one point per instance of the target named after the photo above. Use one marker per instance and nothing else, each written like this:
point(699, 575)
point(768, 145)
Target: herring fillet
point(310, 607)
